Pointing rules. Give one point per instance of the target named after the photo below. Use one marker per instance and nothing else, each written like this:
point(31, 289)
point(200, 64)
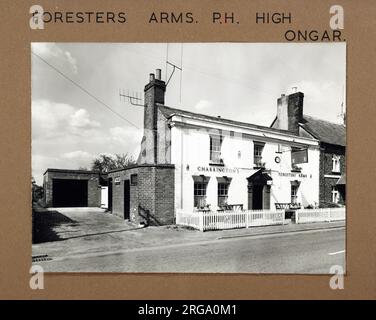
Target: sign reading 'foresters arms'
point(293, 175)
point(40, 18)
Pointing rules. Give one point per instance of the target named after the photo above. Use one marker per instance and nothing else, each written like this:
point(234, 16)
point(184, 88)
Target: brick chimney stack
point(154, 93)
point(289, 112)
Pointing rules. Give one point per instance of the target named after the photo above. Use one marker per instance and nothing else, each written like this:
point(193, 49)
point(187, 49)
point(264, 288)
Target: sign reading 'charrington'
point(217, 169)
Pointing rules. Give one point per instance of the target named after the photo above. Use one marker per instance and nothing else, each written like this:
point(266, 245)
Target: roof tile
point(325, 131)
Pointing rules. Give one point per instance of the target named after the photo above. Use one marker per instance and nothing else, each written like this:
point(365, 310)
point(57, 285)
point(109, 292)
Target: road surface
point(312, 251)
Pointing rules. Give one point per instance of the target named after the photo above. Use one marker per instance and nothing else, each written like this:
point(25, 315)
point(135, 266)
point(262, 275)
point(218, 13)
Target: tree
point(37, 191)
point(104, 162)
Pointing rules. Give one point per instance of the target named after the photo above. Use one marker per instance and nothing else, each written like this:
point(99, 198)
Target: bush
point(41, 203)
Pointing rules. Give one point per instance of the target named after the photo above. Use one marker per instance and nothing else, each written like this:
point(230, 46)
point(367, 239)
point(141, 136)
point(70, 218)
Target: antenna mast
point(342, 115)
point(173, 70)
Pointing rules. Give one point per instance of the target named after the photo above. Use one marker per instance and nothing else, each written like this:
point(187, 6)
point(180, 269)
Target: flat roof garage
point(72, 188)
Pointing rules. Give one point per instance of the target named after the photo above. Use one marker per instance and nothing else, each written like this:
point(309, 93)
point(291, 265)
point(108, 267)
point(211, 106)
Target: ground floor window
point(222, 194)
point(335, 195)
point(199, 193)
point(294, 193)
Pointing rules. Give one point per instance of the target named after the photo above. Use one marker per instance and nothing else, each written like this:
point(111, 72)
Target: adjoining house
point(332, 138)
point(194, 162)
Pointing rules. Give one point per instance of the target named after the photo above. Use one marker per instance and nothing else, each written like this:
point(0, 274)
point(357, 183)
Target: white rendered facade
point(190, 153)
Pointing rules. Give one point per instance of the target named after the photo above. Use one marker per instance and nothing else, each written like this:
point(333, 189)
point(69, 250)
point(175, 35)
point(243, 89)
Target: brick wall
point(118, 193)
point(165, 195)
point(154, 93)
point(152, 199)
point(326, 166)
point(94, 192)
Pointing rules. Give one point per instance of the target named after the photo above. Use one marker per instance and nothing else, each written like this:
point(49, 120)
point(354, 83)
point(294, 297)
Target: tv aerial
point(134, 98)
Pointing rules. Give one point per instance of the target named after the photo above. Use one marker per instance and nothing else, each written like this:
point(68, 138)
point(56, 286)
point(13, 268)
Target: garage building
point(72, 188)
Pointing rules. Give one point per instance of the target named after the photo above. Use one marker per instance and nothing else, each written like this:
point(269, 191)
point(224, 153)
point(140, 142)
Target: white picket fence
point(320, 215)
point(230, 219)
point(251, 218)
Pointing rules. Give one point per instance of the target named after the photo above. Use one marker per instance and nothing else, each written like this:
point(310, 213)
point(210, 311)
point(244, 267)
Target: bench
point(231, 207)
point(289, 208)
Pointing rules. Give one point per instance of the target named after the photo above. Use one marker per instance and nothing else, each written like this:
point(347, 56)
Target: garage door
point(69, 193)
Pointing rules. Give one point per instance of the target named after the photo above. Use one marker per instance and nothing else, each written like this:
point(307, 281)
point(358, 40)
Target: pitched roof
point(325, 131)
point(169, 112)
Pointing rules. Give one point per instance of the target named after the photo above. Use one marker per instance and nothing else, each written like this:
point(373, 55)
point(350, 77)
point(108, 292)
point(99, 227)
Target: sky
point(239, 81)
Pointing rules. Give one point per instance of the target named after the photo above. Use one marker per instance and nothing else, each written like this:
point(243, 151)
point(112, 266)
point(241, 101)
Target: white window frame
point(294, 195)
point(336, 163)
point(216, 148)
point(335, 194)
point(222, 193)
point(258, 149)
point(199, 194)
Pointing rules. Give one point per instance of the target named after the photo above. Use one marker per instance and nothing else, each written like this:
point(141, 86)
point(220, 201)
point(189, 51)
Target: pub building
point(194, 162)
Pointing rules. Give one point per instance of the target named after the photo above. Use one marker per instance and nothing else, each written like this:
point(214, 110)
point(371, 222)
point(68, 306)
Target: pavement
point(101, 239)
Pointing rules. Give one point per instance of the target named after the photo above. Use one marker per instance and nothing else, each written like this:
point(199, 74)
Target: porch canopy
point(260, 177)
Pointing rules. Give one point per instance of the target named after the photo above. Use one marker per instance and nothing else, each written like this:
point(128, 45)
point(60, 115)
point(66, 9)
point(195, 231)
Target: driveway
point(68, 231)
point(68, 223)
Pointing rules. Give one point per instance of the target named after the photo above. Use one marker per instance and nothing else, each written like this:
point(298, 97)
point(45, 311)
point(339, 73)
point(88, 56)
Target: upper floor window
point(258, 147)
point(336, 165)
point(215, 148)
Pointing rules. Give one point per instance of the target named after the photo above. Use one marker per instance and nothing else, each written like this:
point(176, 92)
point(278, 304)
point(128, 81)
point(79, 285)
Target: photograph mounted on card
point(189, 157)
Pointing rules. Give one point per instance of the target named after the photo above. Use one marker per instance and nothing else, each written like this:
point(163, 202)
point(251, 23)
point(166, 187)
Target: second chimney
point(290, 112)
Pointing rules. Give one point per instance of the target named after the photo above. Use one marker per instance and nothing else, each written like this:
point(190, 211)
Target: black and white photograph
point(189, 157)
